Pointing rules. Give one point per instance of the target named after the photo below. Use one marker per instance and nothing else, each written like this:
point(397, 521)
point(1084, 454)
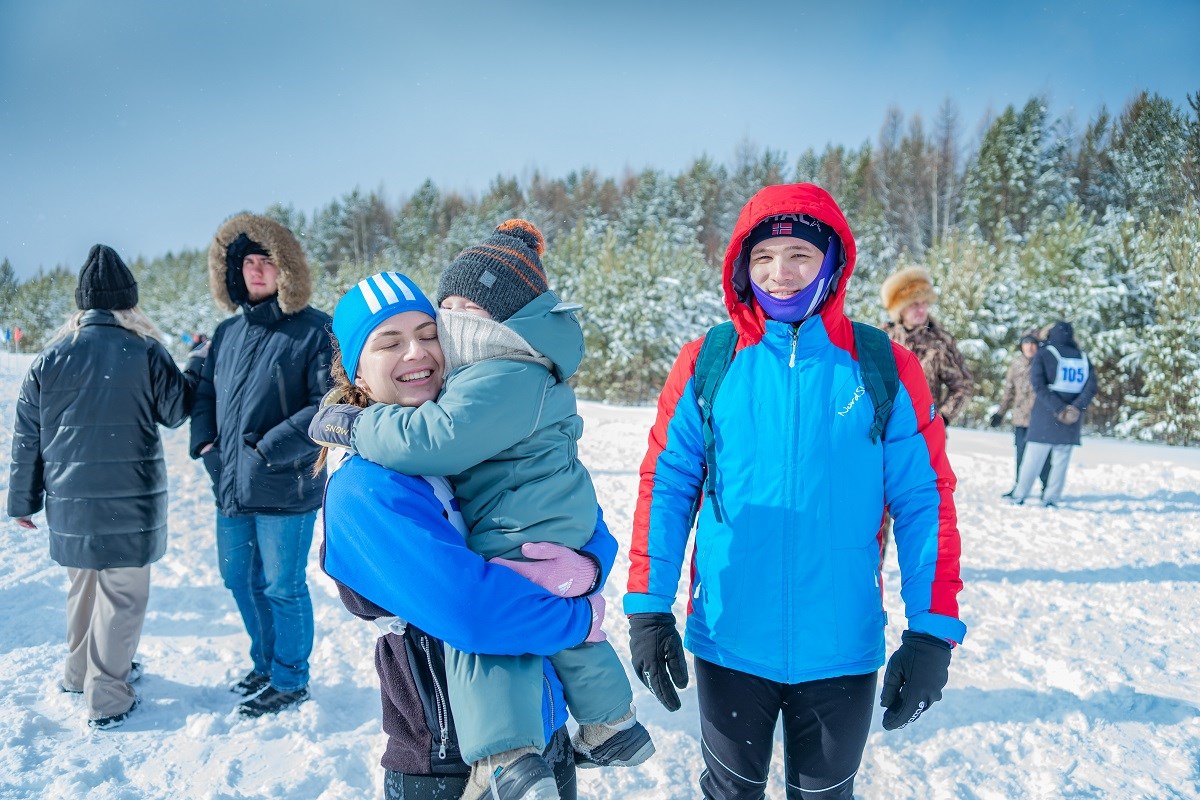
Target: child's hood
point(554, 331)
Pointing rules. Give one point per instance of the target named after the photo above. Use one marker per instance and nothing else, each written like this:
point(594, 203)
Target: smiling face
point(783, 265)
point(261, 276)
point(402, 361)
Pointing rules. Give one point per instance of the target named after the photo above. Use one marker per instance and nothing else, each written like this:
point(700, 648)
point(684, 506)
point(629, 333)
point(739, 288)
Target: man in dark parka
point(86, 447)
point(265, 374)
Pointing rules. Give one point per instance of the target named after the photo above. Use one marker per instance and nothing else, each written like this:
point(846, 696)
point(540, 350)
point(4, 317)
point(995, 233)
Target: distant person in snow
point(266, 371)
point(396, 544)
point(1018, 396)
point(907, 296)
point(87, 447)
point(786, 481)
point(505, 430)
point(1064, 384)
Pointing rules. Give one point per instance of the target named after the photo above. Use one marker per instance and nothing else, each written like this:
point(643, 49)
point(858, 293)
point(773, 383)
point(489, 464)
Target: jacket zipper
point(795, 338)
point(439, 700)
point(788, 535)
point(550, 698)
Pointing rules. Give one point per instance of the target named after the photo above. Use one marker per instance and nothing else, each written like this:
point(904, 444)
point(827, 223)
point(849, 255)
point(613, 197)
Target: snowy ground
point(1079, 677)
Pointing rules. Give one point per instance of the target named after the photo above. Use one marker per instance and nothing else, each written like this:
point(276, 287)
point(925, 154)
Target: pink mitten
point(554, 567)
point(596, 634)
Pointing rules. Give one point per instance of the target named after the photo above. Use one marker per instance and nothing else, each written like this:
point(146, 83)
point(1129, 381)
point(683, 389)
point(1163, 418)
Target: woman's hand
point(559, 569)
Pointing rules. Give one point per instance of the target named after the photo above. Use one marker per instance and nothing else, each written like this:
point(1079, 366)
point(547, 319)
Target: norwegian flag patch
point(781, 229)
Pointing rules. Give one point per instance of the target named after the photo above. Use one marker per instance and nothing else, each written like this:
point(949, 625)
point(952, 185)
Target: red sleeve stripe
point(946, 580)
point(681, 373)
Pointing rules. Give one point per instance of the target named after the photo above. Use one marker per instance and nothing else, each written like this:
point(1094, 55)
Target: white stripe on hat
point(399, 283)
point(389, 293)
point(369, 295)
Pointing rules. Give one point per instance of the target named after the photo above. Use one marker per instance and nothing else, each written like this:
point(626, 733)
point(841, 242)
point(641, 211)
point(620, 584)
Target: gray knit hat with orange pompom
point(501, 274)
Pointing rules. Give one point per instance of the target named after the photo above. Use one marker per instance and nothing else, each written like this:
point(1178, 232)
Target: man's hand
point(332, 425)
point(1069, 415)
point(915, 676)
point(25, 522)
point(657, 655)
point(554, 567)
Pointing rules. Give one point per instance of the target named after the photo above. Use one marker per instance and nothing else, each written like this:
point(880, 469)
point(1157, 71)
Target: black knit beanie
point(501, 274)
point(800, 226)
point(105, 282)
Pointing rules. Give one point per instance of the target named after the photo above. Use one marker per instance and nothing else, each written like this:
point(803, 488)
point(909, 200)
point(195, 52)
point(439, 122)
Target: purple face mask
point(805, 302)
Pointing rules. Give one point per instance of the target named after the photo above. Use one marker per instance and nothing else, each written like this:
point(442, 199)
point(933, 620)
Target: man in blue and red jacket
point(785, 608)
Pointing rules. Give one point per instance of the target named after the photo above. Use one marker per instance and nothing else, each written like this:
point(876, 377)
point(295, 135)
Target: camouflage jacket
point(949, 379)
point(1018, 392)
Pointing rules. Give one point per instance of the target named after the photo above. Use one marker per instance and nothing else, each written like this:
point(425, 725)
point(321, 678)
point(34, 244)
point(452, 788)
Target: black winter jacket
point(87, 444)
point(264, 376)
point(1043, 372)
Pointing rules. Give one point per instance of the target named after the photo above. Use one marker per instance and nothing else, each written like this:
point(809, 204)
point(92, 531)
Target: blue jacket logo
point(932, 411)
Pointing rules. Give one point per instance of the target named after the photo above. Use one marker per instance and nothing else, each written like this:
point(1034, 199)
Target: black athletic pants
point(825, 726)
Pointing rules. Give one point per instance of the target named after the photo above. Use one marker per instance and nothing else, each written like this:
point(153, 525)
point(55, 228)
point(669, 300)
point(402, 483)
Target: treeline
point(1038, 219)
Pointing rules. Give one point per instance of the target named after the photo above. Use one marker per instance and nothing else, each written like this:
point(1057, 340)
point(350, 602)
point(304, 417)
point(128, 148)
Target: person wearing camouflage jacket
point(1018, 396)
point(907, 296)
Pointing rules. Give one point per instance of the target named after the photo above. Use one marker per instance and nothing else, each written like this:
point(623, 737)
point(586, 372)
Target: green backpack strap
point(878, 366)
point(712, 363)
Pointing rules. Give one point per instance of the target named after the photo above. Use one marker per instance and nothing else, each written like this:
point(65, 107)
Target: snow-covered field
point(1080, 677)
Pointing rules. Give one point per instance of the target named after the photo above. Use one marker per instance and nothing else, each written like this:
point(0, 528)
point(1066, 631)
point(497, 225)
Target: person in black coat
point(86, 447)
point(1064, 384)
point(266, 371)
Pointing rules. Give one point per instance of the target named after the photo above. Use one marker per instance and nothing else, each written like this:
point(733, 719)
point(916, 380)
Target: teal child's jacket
point(505, 432)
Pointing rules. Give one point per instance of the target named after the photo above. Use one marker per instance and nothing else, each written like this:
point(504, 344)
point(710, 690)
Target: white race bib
point(1071, 375)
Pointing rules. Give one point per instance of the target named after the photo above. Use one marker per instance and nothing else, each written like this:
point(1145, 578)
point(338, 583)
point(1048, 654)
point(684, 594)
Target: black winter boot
point(272, 701)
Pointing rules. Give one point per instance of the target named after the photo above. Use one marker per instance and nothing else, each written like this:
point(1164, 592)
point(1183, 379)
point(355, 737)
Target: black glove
point(996, 420)
point(657, 655)
point(331, 425)
point(915, 676)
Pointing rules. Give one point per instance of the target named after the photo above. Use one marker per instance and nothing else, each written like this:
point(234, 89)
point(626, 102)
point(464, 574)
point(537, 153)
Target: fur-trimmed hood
point(903, 288)
point(295, 281)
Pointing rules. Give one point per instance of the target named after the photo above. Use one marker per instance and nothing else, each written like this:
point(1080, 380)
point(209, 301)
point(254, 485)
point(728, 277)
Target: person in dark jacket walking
point(1018, 396)
point(264, 376)
point(396, 545)
point(86, 447)
point(1064, 384)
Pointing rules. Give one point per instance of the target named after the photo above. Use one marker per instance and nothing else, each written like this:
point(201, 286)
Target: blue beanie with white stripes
point(369, 303)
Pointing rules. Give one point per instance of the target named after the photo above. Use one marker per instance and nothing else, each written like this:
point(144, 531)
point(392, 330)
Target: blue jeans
point(262, 560)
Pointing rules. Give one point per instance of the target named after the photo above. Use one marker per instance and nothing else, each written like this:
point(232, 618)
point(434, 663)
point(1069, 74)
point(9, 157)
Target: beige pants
point(105, 612)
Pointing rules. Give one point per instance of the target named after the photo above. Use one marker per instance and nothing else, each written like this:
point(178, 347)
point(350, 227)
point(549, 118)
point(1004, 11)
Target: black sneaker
point(135, 672)
point(116, 720)
point(527, 778)
point(626, 748)
point(272, 701)
point(252, 684)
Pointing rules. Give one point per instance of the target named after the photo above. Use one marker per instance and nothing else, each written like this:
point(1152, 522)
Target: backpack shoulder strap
point(712, 363)
point(878, 366)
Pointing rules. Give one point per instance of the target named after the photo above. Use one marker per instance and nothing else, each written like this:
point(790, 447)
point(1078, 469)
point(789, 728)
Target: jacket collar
point(98, 316)
point(264, 313)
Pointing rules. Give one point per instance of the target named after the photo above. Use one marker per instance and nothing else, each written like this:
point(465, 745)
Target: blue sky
point(143, 124)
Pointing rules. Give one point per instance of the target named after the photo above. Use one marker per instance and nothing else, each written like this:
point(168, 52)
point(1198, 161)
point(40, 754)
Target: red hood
point(791, 198)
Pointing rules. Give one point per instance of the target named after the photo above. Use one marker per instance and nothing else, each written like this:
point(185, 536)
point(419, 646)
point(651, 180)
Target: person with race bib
point(1064, 384)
